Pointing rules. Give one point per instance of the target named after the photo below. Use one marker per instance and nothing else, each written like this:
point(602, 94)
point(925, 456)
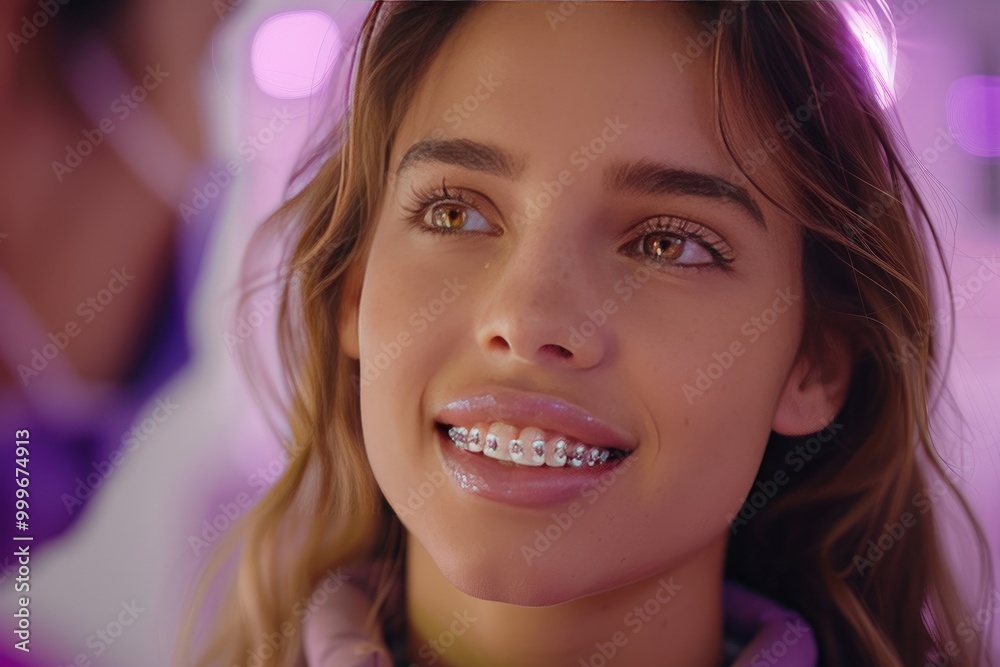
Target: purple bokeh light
point(293, 53)
point(974, 114)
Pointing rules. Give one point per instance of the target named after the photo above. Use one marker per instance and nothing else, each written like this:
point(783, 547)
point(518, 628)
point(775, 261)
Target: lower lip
point(518, 485)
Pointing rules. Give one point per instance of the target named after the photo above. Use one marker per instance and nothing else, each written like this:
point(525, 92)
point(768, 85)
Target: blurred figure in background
point(101, 139)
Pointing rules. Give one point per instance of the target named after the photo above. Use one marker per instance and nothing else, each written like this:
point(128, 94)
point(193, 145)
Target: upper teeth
point(528, 446)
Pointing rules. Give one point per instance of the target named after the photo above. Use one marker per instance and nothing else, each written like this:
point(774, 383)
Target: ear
point(348, 318)
point(815, 390)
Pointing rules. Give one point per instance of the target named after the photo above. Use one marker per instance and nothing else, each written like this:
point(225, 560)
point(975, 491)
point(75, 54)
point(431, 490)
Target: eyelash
point(687, 230)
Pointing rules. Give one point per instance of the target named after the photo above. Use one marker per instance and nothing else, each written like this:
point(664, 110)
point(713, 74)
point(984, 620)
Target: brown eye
point(677, 243)
point(447, 216)
point(665, 247)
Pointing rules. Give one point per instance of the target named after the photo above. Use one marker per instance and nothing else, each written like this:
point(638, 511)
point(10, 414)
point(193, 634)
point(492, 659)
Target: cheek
point(408, 297)
point(406, 313)
point(708, 380)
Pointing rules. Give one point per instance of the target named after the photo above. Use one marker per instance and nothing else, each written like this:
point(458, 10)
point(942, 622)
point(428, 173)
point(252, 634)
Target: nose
point(541, 301)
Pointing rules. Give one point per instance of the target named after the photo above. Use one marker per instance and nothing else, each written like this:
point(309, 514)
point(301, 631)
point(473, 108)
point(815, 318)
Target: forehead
point(513, 73)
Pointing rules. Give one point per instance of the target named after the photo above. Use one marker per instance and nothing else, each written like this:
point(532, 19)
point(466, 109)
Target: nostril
point(558, 350)
point(500, 343)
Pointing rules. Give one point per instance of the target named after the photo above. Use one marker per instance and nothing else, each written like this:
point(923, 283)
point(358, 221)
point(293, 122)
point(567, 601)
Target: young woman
point(608, 336)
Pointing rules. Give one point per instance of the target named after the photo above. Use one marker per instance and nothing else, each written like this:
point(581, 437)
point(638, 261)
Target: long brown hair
point(867, 277)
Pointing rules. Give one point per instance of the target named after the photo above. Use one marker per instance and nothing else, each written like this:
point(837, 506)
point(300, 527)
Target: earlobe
point(814, 392)
point(348, 318)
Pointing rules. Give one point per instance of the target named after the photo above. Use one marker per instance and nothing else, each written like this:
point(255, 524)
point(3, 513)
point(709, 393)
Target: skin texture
point(526, 288)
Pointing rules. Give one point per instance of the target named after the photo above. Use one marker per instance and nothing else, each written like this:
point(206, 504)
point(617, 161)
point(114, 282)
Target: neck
point(671, 618)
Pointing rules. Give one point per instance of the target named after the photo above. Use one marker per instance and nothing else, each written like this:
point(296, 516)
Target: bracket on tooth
point(596, 456)
point(559, 453)
point(474, 441)
point(538, 452)
point(516, 450)
point(458, 435)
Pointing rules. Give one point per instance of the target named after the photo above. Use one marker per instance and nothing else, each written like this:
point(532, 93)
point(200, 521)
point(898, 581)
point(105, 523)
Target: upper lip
point(523, 409)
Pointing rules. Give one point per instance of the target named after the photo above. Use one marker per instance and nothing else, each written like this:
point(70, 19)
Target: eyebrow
point(642, 177)
point(646, 177)
point(464, 153)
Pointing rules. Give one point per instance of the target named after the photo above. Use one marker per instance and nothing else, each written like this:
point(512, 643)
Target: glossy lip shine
point(525, 486)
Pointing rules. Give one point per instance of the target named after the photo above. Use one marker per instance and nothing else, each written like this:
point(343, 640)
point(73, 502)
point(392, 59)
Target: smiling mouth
point(527, 446)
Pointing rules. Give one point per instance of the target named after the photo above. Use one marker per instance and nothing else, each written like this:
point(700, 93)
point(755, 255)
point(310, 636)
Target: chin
point(521, 593)
point(522, 585)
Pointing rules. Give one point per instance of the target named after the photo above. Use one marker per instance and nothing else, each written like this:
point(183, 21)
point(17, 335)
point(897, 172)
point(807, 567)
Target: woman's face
point(594, 259)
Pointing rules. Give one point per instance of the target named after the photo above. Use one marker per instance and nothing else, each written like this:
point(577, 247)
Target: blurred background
point(135, 167)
